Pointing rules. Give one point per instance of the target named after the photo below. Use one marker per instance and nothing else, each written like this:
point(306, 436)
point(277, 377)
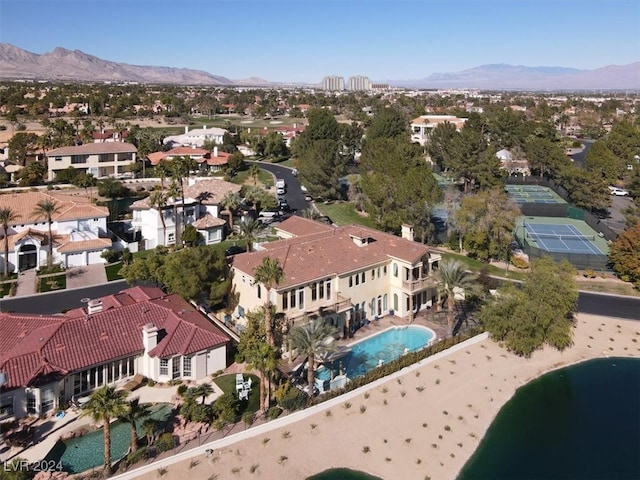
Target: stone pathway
point(26, 283)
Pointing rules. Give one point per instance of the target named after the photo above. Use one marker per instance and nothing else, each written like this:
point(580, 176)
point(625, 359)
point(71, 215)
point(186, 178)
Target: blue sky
point(304, 40)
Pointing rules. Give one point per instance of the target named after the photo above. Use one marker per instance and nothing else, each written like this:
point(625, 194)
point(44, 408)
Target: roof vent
point(94, 306)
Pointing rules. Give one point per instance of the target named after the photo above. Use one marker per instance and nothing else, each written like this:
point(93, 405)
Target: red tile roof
point(31, 346)
point(93, 149)
point(330, 252)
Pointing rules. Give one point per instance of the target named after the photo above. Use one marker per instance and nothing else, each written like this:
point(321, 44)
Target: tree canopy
point(540, 312)
point(624, 255)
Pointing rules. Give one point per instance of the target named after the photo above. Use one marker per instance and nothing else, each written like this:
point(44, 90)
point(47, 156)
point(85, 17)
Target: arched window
point(384, 302)
point(395, 301)
point(395, 269)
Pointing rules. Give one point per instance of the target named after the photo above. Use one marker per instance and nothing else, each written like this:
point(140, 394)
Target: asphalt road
point(294, 196)
point(50, 303)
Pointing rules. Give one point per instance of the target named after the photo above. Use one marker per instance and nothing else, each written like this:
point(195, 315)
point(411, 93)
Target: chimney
point(149, 337)
point(407, 232)
point(215, 151)
point(94, 306)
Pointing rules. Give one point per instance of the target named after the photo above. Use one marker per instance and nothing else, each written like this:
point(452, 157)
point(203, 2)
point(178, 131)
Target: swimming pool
point(85, 452)
point(381, 348)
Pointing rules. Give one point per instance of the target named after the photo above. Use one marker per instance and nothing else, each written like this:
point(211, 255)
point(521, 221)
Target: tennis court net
point(534, 236)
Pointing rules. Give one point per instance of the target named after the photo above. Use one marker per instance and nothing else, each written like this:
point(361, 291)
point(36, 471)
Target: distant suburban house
point(207, 161)
point(110, 159)
point(79, 231)
point(196, 137)
point(345, 274)
point(200, 207)
point(512, 165)
point(422, 126)
point(52, 359)
point(104, 136)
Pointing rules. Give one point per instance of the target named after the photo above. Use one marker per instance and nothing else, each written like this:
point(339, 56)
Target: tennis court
point(532, 194)
point(560, 238)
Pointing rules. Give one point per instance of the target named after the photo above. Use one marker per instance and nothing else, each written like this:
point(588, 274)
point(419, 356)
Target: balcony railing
point(418, 284)
point(341, 304)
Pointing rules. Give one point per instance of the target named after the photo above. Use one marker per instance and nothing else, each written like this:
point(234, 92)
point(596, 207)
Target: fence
point(582, 261)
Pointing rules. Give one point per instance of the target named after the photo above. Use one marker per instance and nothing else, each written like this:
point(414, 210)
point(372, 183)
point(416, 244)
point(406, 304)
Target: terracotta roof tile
point(208, 221)
point(93, 149)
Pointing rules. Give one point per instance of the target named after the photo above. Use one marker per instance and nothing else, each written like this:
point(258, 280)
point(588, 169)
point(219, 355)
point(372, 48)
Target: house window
point(373, 274)
point(321, 290)
point(395, 269)
point(292, 298)
point(384, 270)
point(171, 238)
point(328, 289)
point(58, 159)
point(350, 281)
point(372, 307)
point(384, 302)
point(259, 291)
point(164, 366)
point(47, 399)
point(6, 406)
point(364, 278)
point(379, 272)
point(301, 298)
point(395, 301)
point(75, 159)
point(31, 402)
point(406, 274)
point(314, 291)
point(285, 301)
point(186, 366)
point(357, 279)
point(176, 367)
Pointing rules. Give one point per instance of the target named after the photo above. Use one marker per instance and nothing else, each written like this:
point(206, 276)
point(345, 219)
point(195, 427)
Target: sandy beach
point(423, 422)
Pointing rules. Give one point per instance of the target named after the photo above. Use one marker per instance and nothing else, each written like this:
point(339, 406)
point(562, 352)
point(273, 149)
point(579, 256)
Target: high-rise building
point(359, 83)
point(333, 83)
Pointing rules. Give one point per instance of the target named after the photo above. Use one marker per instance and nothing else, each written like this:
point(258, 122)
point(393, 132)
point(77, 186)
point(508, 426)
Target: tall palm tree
point(135, 411)
point(158, 201)
point(311, 213)
point(270, 274)
point(174, 193)
point(265, 359)
point(48, 209)
point(450, 276)
point(7, 216)
point(313, 339)
point(104, 405)
point(231, 203)
point(248, 230)
point(254, 172)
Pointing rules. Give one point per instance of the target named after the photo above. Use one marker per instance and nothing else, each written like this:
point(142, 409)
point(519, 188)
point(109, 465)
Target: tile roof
point(208, 221)
point(300, 226)
point(31, 346)
point(93, 149)
point(331, 252)
point(211, 191)
point(71, 207)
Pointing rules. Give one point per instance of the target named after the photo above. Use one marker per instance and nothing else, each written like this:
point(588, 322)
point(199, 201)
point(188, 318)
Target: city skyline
point(306, 40)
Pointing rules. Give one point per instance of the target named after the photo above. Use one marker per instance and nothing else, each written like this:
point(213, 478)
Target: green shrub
point(290, 398)
point(589, 273)
point(165, 442)
point(135, 457)
point(181, 389)
point(274, 412)
point(519, 262)
point(110, 255)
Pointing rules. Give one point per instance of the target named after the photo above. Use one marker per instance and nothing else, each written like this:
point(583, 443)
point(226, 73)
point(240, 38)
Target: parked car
point(308, 198)
point(281, 190)
point(284, 205)
point(294, 172)
point(234, 250)
point(619, 192)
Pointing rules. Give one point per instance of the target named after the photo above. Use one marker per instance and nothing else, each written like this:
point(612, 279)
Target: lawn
point(242, 177)
point(113, 271)
point(228, 385)
point(54, 282)
point(344, 213)
point(476, 266)
point(5, 288)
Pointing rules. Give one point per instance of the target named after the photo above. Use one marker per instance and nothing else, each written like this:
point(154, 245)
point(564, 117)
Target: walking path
point(26, 283)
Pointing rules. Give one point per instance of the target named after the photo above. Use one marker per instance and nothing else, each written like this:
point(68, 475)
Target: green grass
point(242, 177)
point(228, 385)
point(476, 265)
point(113, 271)
point(56, 282)
point(344, 213)
point(5, 288)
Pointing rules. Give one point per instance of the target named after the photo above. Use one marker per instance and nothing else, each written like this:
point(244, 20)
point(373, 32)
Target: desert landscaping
point(422, 422)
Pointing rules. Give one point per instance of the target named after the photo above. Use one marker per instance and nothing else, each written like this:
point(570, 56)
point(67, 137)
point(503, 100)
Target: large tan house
point(109, 159)
point(423, 126)
point(346, 274)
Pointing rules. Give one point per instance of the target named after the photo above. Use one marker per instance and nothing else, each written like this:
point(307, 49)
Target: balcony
point(419, 284)
point(341, 304)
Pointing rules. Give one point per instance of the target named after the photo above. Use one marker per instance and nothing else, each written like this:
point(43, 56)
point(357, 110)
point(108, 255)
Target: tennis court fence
point(582, 261)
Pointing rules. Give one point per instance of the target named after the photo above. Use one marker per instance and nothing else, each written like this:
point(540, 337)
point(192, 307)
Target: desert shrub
point(135, 457)
point(165, 442)
point(110, 255)
point(181, 389)
point(589, 273)
point(520, 262)
point(274, 412)
point(290, 398)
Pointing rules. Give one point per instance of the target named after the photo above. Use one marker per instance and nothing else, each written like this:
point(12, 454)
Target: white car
point(619, 192)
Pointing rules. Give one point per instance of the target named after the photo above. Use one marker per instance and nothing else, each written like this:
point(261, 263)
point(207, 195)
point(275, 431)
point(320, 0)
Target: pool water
point(381, 348)
point(86, 452)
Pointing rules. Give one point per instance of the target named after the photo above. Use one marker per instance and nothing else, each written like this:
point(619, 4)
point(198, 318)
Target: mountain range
point(74, 65)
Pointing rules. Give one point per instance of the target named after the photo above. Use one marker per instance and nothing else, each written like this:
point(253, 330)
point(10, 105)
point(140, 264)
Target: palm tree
point(174, 193)
point(254, 172)
point(150, 429)
point(311, 214)
point(133, 414)
point(7, 216)
point(269, 273)
point(231, 202)
point(47, 209)
point(158, 200)
point(105, 404)
point(313, 339)
point(248, 230)
point(451, 276)
point(265, 359)
point(204, 389)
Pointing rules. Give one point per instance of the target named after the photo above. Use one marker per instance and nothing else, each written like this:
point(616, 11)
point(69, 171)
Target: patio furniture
point(134, 383)
point(247, 385)
point(239, 382)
